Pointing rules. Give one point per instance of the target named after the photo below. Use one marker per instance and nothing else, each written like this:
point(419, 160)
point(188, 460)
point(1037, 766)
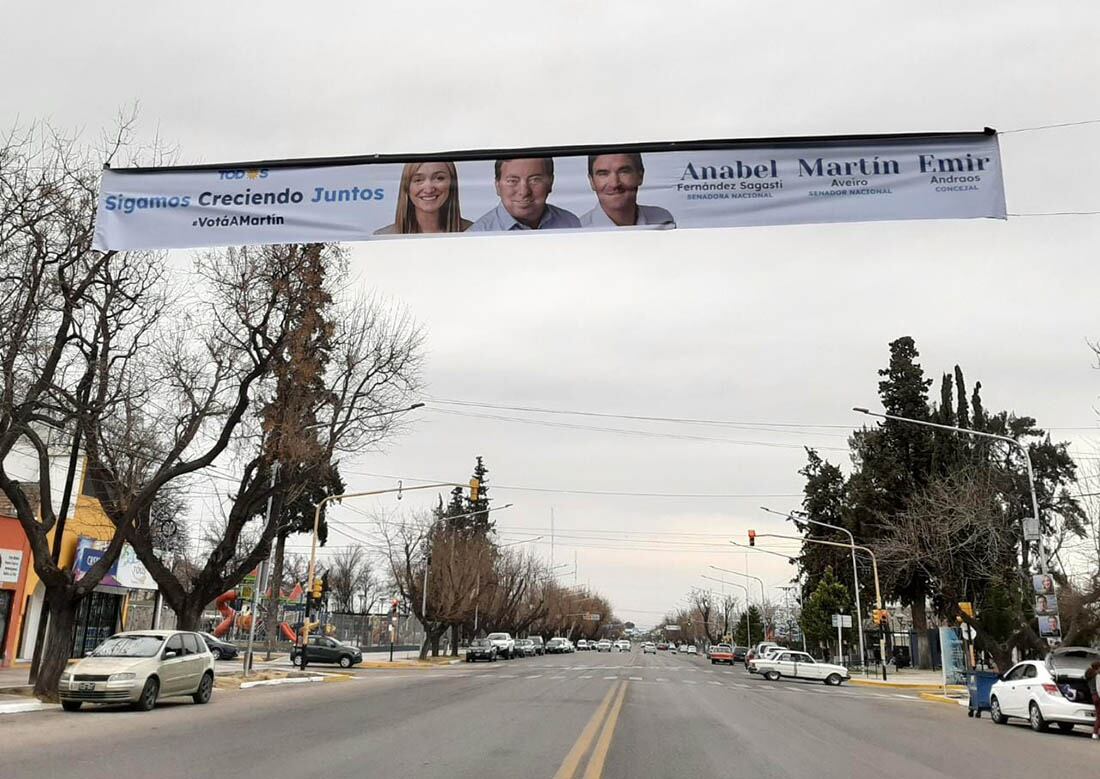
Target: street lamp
point(855, 572)
point(763, 596)
point(748, 615)
point(874, 567)
point(1023, 449)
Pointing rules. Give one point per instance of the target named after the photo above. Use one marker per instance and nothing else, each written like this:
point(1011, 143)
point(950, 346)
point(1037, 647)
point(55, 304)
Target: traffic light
point(752, 538)
point(882, 617)
point(475, 489)
point(317, 589)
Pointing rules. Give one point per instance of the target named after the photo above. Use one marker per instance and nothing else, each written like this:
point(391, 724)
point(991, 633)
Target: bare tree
point(348, 571)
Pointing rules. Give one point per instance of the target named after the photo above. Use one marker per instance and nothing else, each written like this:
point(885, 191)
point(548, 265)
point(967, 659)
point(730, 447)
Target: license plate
point(86, 686)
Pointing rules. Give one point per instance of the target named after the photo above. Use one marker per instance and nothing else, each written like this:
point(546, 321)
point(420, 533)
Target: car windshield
point(480, 642)
point(129, 646)
point(498, 636)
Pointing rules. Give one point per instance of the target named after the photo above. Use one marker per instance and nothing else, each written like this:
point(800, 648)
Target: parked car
point(673, 649)
point(557, 646)
point(721, 653)
point(603, 645)
point(322, 649)
point(540, 648)
point(222, 650)
point(663, 645)
point(570, 646)
point(505, 644)
point(739, 653)
point(798, 665)
point(582, 645)
point(649, 648)
point(525, 647)
point(623, 645)
point(481, 649)
point(140, 667)
point(1046, 691)
point(691, 650)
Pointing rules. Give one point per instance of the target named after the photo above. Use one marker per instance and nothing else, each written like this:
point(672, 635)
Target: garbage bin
point(979, 684)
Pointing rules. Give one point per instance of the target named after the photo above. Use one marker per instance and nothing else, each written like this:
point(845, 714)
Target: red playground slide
point(288, 631)
point(222, 604)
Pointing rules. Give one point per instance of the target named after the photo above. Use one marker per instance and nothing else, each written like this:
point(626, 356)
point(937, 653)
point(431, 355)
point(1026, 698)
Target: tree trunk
point(435, 642)
point(923, 657)
point(59, 645)
point(276, 583)
point(424, 646)
point(454, 640)
point(189, 613)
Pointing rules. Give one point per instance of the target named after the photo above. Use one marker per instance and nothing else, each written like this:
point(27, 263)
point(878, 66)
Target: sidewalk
point(913, 679)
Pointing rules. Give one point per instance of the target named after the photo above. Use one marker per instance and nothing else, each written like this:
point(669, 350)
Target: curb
point(29, 706)
point(904, 686)
point(404, 666)
point(288, 680)
point(934, 698)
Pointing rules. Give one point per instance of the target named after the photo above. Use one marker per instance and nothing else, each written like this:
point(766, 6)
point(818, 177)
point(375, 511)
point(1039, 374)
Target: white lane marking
point(586, 676)
point(535, 676)
point(611, 677)
point(718, 683)
point(560, 677)
point(765, 687)
point(910, 697)
point(507, 676)
point(635, 678)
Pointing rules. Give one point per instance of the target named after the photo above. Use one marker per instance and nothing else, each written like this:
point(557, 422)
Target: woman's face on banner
point(430, 186)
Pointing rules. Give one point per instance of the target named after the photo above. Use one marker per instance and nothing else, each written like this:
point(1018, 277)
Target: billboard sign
point(658, 186)
point(11, 564)
point(127, 572)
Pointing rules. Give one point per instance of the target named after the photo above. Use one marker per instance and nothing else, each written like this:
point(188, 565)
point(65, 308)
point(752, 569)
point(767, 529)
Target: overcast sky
point(767, 325)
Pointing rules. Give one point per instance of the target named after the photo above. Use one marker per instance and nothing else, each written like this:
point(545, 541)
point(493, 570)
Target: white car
point(1046, 691)
point(140, 667)
point(603, 645)
point(691, 650)
point(672, 649)
point(649, 648)
point(798, 665)
point(582, 645)
point(504, 643)
point(622, 645)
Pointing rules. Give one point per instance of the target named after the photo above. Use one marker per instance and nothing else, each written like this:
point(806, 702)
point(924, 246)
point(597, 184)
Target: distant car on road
point(582, 645)
point(691, 650)
point(673, 649)
point(798, 665)
point(222, 650)
point(1046, 691)
point(721, 653)
point(505, 644)
point(481, 649)
point(663, 645)
point(759, 651)
point(140, 667)
point(649, 648)
point(603, 645)
point(557, 646)
point(322, 649)
point(739, 653)
point(622, 645)
point(525, 647)
point(540, 648)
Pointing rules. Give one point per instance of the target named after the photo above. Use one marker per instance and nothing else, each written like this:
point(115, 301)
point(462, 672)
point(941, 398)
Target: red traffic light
point(752, 538)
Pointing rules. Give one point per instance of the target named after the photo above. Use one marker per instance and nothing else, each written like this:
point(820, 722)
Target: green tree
point(828, 598)
point(750, 627)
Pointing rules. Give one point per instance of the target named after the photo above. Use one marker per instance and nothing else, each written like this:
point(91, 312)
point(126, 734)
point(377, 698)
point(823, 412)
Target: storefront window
point(96, 619)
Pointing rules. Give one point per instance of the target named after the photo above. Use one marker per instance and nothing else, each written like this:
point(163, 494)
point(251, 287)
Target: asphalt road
point(584, 715)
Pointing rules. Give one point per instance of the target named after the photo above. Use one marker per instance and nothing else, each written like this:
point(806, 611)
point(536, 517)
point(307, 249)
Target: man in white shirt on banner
point(523, 186)
point(616, 178)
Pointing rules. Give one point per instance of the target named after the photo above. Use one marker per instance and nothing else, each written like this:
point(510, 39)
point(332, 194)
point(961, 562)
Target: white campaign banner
point(656, 186)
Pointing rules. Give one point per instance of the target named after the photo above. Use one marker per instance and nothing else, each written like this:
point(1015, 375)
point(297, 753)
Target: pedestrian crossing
point(686, 676)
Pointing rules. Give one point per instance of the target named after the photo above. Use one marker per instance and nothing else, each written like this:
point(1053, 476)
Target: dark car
point(481, 649)
point(539, 647)
point(322, 649)
point(525, 647)
point(222, 650)
point(739, 653)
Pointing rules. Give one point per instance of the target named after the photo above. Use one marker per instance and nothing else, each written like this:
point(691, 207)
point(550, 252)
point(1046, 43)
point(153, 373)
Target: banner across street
point(659, 186)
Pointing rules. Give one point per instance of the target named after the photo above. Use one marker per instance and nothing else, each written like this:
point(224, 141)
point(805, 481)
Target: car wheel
point(834, 680)
point(345, 661)
point(1065, 727)
point(771, 676)
point(206, 689)
point(1037, 720)
point(149, 695)
point(70, 705)
point(217, 652)
point(995, 713)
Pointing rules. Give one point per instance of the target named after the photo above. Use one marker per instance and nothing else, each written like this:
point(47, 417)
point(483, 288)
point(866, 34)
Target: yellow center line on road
point(568, 767)
point(603, 744)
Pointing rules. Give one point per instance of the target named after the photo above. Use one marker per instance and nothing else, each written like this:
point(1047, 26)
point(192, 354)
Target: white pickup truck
point(504, 643)
point(798, 665)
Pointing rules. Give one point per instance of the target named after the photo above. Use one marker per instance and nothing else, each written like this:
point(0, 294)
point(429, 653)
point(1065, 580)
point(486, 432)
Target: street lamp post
point(874, 568)
point(785, 557)
point(1006, 439)
point(855, 574)
point(763, 596)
